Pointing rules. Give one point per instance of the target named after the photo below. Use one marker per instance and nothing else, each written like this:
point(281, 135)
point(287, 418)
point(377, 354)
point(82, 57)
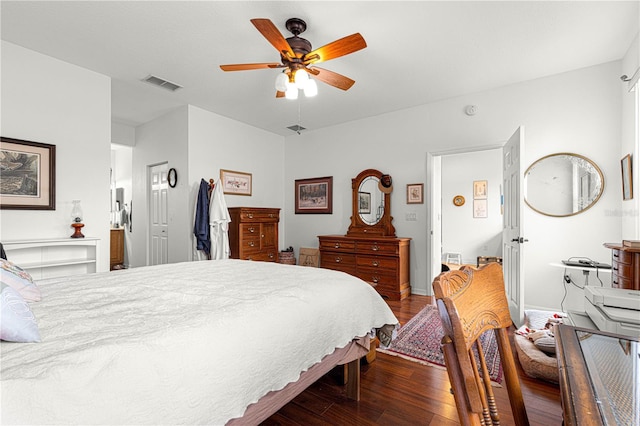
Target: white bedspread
point(188, 343)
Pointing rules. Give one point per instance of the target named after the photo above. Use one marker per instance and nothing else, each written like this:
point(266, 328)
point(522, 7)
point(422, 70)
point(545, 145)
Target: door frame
point(434, 206)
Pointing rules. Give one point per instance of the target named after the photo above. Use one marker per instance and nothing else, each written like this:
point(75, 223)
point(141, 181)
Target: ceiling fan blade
point(335, 49)
point(273, 36)
point(332, 78)
point(244, 67)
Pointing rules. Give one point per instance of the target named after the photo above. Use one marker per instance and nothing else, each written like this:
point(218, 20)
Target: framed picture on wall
point(627, 181)
point(480, 209)
point(314, 195)
point(236, 183)
point(479, 189)
point(28, 178)
point(415, 193)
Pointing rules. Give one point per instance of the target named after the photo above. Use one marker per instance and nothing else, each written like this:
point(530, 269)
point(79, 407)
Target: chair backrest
point(471, 302)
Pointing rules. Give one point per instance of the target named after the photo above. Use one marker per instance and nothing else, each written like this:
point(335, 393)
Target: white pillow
point(17, 322)
point(20, 280)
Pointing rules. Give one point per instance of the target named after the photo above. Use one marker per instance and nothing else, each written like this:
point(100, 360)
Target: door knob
point(519, 240)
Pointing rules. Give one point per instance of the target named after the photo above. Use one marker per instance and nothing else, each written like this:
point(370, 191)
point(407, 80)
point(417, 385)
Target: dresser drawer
point(249, 230)
point(336, 258)
point(380, 263)
point(259, 215)
point(622, 269)
point(340, 245)
point(378, 278)
point(377, 247)
point(621, 256)
point(263, 256)
point(618, 281)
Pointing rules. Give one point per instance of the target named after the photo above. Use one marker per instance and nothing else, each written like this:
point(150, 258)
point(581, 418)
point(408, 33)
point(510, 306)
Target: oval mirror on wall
point(563, 184)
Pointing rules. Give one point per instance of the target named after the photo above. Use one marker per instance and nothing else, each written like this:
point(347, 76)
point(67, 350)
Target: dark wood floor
point(395, 391)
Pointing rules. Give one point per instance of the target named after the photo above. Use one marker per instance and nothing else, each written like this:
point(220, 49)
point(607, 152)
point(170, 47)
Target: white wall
point(50, 101)
point(577, 111)
point(164, 139)
point(461, 232)
point(198, 144)
point(630, 209)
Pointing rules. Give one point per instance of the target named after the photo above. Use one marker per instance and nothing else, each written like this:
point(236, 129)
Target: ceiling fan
point(296, 55)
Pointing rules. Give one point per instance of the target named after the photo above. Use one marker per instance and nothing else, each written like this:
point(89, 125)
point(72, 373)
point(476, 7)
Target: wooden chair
point(471, 301)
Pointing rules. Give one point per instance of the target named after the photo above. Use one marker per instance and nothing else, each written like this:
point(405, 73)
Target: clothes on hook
point(211, 222)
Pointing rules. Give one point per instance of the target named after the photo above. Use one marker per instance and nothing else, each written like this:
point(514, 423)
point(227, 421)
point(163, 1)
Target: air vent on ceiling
point(161, 82)
point(296, 128)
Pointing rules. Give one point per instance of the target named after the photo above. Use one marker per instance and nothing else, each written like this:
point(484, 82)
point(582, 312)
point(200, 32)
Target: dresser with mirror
point(370, 249)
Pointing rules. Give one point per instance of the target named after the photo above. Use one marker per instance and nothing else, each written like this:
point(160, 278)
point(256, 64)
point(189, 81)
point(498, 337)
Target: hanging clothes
point(219, 219)
point(201, 222)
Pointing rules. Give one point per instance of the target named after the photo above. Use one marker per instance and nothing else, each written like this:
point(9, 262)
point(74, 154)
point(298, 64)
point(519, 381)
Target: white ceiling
point(418, 51)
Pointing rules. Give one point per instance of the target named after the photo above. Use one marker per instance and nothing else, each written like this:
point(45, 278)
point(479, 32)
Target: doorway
point(158, 214)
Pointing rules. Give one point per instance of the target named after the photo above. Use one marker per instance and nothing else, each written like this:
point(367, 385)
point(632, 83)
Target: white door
point(158, 206)
point(513, 230)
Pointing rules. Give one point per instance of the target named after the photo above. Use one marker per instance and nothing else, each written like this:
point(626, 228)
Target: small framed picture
point(364, 202)
point(627, 181)
point(314, 195)
point(236, 183)
point(480, 190)
point(28, 179)
point(415, 193)
point(480, 209)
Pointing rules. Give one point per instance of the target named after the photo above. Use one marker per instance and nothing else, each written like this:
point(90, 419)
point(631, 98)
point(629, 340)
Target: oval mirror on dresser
point(563, 184)
point(370, 250)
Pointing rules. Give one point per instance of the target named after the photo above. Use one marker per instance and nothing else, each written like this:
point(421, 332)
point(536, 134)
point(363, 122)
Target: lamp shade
point(301, 78)
point(281, 82)
point(310, 88)
point(292, 91)
point(76, 212)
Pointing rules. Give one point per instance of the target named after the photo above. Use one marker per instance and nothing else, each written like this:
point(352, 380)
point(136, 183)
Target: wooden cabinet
point(117, 248)
point(253, 233)
point(383, 262)
point(625, 266)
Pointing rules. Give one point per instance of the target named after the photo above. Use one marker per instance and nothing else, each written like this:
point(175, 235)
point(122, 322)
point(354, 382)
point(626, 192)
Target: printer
point(614, 310)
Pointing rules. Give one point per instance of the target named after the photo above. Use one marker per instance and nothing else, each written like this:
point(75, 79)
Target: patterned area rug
point(419, 340)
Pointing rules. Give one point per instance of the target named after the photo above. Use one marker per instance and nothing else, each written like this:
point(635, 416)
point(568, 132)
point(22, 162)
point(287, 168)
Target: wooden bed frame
point(271, 402)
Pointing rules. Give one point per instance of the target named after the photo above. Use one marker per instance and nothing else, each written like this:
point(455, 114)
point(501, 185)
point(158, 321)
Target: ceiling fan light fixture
point(281, 82)
point(310, 88)
point(291, 92)
point(301, 78)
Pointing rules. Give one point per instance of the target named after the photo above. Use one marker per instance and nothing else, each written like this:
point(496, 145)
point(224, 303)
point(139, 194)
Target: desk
point(599, 377)
point(586, 270)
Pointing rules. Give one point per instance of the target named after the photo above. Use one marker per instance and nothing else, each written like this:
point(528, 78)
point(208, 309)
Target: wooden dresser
point(625, 266)
point(383, 261)
point(116, 248)
point(253, 233)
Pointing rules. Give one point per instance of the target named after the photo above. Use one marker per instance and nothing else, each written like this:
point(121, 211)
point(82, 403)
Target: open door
point(158, 215)
point(513, 231)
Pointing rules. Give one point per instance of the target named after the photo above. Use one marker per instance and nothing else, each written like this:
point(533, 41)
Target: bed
point(210, 342)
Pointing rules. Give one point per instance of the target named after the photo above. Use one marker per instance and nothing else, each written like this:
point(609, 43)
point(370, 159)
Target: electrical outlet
point(411, 217)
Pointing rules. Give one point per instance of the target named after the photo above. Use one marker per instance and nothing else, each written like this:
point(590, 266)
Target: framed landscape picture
point(236, 183)
point(28, 178)
point(314, 195)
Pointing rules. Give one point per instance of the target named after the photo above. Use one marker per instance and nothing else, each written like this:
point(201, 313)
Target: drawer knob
point(338, 259)
point(375, 280)
point(375, 263)
point(251, 244)
point(375, 247)
point(337, 245)
point(270, 214)
point(270, 255)
point(615, 254)
point(250, 215)
point(252, 229)
point(262, 236)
